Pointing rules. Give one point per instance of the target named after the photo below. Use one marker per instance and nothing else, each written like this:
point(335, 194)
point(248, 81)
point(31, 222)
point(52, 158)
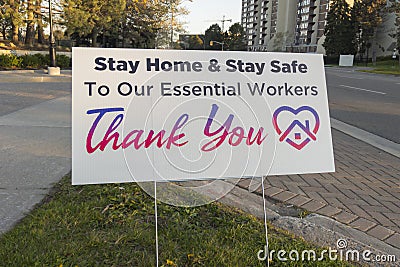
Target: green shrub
point(10, 61)
point(64, 61)
point(34, 61)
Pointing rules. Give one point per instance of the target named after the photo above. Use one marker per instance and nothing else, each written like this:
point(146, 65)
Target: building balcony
point(312, 4)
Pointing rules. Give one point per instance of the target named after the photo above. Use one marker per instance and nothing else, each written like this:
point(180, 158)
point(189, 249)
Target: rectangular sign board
point(346, 60)
point(169, 115)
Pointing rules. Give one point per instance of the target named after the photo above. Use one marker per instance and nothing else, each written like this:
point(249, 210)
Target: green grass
point(385, 67)
point(114, 225)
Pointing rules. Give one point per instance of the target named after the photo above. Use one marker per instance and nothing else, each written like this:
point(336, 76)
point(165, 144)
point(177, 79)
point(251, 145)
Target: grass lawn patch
point(113, 225)
point(391, 67)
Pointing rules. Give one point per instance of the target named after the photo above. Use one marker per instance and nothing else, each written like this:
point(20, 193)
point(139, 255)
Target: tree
point(142, 22)
point(397, 35)
point(15, 13)
point(236, 38)
point(191, 42)
point(30, 23)
point(395, 8)
point(90, 17)
point(10, 17)
point(369, 16)
point(196, 43)
point(137, 23)
point(39, 21)
point(213, 33)
point(340, 30)
point(5, 20)
point(176, 10)
point(168, 22)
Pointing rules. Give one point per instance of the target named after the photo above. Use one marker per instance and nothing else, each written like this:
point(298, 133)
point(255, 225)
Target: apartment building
point(296, 26)
point(256, 21)
point(280, 25)
point(310, 24)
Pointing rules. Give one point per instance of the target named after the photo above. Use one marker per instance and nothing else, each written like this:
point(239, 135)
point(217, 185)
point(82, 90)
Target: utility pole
point(52, 47)
point(52, 69)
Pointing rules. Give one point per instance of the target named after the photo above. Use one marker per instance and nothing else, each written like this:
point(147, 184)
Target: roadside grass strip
point(391, 67)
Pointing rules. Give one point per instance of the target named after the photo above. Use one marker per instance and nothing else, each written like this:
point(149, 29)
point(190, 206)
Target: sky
point(204, 13)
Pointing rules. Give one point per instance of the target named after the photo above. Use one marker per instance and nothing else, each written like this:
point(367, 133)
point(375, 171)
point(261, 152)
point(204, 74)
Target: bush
point(10, 61)
point(35, 61)
point(64, 61)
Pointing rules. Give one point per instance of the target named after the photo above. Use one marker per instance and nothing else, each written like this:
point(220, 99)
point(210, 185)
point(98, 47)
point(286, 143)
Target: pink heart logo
point(297, 134)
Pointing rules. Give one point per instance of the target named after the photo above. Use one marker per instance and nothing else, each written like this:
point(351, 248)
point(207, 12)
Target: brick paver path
point(363, 193)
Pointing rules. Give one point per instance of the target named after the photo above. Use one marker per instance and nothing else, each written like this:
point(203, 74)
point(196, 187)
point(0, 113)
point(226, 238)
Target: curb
point(367, 137)
point(39, 79)
point(34, 76)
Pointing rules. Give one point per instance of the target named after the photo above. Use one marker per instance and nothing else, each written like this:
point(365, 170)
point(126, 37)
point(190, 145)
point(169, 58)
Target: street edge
point(367, 137)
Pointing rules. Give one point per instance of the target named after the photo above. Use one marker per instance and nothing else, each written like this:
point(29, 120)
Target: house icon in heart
point(297, 134)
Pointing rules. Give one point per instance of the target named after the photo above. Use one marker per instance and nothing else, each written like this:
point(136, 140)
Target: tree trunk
point(14, 24)
point(15, 33)
point(4, 32)
point(95, 33)
point(30, 25)
point(41, 39)
point(374, 47)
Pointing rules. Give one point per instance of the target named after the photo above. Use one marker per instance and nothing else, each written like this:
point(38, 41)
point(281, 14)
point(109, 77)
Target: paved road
point(368, 101)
